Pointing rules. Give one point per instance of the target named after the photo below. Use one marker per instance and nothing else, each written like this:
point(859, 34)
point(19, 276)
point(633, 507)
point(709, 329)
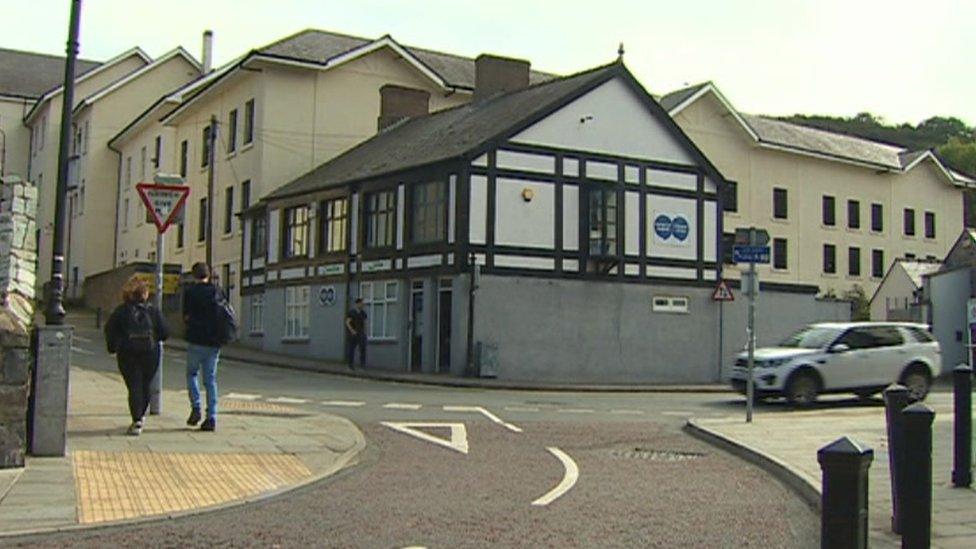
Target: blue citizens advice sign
point(672, 229)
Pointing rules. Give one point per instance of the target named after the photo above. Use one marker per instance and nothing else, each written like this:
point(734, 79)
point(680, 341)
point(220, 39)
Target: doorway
point(416, 325)
point(444, 320)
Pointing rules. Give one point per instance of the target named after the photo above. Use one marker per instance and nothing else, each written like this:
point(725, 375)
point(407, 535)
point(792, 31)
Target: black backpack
point(139, 333)
point(226, 321)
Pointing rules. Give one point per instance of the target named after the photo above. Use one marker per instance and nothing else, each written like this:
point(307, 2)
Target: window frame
point(832, 263)
point(384, 302)
point(330, 219)
point(296, 317)
point(371, 224)
point(421, 232)
point(184, 157)
point(232, 131)
point(853, 214)
point(259, 246)
point(202, 220)
point(928, 224)
point(777, 253)
point(608, 230)
point(205, 147)
point(777, 210)
point(229, 209)
point(908, 222)
point(292, 227)
point(256, 326)
point(877, 263)
point(877, 217)
point(854, 261)
point(828, 216)
point(248, 136)
point(730, 199)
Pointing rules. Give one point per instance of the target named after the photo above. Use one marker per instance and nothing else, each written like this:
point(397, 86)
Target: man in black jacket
point(200, 301)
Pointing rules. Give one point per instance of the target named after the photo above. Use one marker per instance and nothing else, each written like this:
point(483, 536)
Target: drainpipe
point(471, 289)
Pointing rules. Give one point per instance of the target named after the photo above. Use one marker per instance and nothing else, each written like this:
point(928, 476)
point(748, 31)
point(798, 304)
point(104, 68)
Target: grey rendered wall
point(949, 293)
point(603, 332)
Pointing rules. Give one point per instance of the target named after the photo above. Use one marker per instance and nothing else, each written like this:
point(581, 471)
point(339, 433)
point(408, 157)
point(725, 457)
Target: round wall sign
point(327, 296)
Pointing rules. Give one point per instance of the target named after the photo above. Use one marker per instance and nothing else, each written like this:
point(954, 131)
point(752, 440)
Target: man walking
point(200, 301)
point(356, 334)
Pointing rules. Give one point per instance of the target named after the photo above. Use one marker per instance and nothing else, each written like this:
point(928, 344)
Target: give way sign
point(163, 201)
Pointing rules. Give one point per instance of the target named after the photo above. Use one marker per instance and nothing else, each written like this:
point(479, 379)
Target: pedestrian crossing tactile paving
point(114, 486)
point(232, 406)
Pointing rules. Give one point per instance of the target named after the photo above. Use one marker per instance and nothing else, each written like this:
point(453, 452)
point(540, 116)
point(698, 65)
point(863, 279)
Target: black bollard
point(962, 426)
point(844, 518)
point(895, 399)
point(916, 505)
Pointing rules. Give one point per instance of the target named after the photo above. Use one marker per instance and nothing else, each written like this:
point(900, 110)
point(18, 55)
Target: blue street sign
point(750, 254)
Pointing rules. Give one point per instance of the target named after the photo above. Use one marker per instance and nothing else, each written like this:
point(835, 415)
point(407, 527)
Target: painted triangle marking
point(457, 442)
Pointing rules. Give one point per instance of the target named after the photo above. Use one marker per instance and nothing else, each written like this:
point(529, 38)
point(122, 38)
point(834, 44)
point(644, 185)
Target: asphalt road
point(641, 481)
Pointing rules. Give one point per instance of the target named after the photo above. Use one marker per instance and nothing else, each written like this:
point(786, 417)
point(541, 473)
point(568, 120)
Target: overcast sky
point(905, 60)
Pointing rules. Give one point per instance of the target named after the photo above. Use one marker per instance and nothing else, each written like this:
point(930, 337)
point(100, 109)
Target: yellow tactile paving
point(123, 485)
point(257, 407)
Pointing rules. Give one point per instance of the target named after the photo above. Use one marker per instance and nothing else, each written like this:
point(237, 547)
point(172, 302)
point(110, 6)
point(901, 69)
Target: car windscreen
point(811, 337)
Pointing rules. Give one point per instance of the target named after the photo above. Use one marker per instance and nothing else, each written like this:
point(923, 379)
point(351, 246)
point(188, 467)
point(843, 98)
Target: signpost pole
point(156, 391)
point(753, 286)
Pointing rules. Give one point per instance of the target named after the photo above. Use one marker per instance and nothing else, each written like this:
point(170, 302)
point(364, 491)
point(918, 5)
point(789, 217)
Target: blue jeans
point(199, 357)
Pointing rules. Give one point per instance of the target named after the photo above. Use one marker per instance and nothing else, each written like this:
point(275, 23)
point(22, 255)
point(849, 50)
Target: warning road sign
point(163, 202)
point(722, 292)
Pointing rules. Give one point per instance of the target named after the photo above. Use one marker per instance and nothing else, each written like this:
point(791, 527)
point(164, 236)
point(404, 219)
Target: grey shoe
point(135, 429)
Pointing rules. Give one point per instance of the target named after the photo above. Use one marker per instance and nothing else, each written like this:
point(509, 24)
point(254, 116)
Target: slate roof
point(443, 135)
point(319, 46)
point(29, 74)
point(677, 97)
point(917, 269)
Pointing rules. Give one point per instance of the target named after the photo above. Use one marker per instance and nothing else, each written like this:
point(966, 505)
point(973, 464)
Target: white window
point(125, 214)
point(257, 314)
point(669, 304)
point(380, 300)
point(85, 136)
point(296, 312)
point(142, 164)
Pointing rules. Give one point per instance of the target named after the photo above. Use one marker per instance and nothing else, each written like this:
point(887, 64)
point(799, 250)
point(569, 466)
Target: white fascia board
point(710, 88)
point(51, 93)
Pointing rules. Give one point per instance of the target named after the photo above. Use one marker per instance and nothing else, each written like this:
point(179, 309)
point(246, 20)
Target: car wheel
point(917, 382)
point(802, 389)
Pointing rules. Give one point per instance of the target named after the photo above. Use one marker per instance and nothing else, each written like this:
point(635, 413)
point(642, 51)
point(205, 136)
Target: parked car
point(852, 357)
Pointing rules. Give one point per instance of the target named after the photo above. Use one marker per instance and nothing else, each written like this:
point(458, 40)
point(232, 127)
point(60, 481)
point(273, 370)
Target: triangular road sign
point(459, 435)
point(722, 292)
point(163, 202)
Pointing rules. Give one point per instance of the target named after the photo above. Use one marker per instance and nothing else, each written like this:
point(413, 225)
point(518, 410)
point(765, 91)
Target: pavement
point(260, 450)
point(785, 443)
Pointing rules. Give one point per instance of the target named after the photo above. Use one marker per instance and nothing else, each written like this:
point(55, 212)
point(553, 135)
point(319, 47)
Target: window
point(296, 312)
point(232, 131)
point(257, 314)
point(870, 337)
point(183, 157)
point(877, 263)
point(205, 148)
point(128, 171)
point(157, 152)
point(85, 136)
point(180, 229)
point(225, 281)
point(669, 304)
point(295, 242)
point(877, 218)
point(853, 214)
point(731, 197)
point(249, 121)
point(919, 334)
point(854, 261)
point(332, 225)
point(228, 210)
point(380, 301)
point(259, 236)
point(728, 241)
point(380, 219)
point(779, 253)
point(142, 164)
point(909, 222)
point(603, 222)
point(428, 212)
point(929, 224)
point(829, 259)
point(202, 227)
point(780, 205)
point(828, 211)
point(125, 214)
point(245, 195)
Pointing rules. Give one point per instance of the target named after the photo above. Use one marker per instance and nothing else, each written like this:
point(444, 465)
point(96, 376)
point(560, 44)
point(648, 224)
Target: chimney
point(494, 75)
point(207, 51)
point(398, 103)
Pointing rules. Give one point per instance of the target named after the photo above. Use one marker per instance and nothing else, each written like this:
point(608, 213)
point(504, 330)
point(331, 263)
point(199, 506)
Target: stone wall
point(18, 264)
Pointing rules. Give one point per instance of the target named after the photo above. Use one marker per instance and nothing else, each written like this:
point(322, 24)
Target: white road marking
point(401, 406)
point(483, 411)
point(288, 400)
point(521, 409)
point(82, 339)
point(568, 481)
point(242, 396)
point(626, 411)
point(459, 435)
point(576, 410)
point(81, 351)
point(679, 413)
point(347, 403)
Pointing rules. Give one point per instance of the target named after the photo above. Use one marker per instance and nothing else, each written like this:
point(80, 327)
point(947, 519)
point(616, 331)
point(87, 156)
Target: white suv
point(852, 357)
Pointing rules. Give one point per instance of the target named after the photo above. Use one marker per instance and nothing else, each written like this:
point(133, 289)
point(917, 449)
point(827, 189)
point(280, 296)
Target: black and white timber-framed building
point(592, 218)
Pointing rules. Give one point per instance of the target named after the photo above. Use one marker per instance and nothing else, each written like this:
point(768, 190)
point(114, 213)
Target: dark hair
point(359, 300)
point(200, 270)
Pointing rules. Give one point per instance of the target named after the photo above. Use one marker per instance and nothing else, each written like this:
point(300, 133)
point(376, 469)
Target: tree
point(860, 306)
point(960, 154)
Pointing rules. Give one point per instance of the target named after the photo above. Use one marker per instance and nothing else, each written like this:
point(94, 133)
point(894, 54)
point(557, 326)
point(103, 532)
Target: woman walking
point(132, 334)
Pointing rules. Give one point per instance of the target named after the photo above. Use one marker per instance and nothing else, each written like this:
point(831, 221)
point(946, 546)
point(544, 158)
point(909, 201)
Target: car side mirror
point(839, 348)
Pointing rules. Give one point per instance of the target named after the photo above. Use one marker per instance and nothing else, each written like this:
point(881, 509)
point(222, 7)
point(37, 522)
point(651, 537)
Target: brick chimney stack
point(494, 75)
point(398, 103)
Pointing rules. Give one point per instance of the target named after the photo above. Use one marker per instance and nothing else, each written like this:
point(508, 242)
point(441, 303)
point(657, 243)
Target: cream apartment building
point(839, 209)
point(281, 111)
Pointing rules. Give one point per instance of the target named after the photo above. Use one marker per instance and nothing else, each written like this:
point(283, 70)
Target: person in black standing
point(132, 334)
point(356, 334)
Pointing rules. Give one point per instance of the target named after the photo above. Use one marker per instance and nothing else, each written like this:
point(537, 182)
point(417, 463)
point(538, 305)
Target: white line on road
point(568, 481)
point(82, 339)
point(242, 396)
point(483, 411)
point(521, 409)
point(459, 435)
point(81, 351)
point(401, 406)
point(679, 413)
point(288, 400)
point(576, 410)
point(346, 403)
point(626, 411)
